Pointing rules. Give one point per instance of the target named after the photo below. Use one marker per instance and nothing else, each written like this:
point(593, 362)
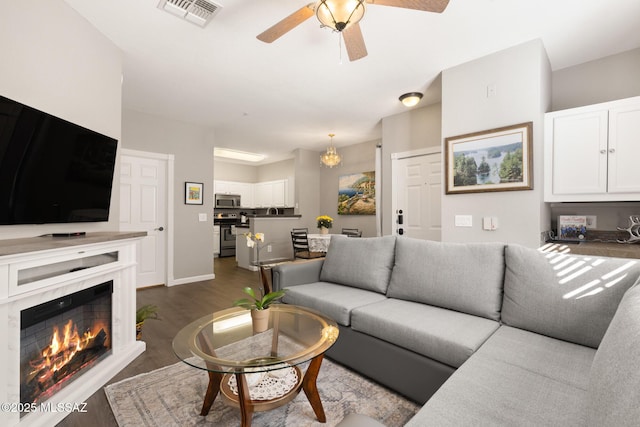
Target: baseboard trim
point(186, 280)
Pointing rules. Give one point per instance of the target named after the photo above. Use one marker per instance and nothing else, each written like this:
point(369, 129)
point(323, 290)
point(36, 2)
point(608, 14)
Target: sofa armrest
point(296, 273)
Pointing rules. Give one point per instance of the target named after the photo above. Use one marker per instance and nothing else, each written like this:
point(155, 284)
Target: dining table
point(321, 242)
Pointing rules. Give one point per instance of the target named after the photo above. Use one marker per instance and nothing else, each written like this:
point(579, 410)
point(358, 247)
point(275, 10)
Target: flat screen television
point(51, 170)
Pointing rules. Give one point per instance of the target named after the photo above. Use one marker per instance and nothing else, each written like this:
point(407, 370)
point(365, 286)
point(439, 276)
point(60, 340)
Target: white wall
point(606, 79)
point(414, 129)
point(306, 193)
point(521, 76)
point(226, 171)
point(278, 170)
point(193, 150)
point(55, 61)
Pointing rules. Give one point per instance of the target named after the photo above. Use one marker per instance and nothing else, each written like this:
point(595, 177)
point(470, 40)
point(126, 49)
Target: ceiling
point(274, 98)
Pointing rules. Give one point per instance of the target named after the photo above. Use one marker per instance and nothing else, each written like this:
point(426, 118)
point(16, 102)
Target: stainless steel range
point(227, 223)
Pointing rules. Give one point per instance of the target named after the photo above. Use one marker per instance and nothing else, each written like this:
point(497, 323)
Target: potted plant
point(147, 311)
point(259, 307)
point(324, 222)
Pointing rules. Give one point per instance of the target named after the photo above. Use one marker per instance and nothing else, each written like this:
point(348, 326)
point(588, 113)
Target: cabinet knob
point(612, 150)
point(159, 229)
point(603, 151)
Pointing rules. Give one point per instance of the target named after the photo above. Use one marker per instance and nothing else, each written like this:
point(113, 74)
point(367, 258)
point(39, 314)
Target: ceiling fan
point(343, 16)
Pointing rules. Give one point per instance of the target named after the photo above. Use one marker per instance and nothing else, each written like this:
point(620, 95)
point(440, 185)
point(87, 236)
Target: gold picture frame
point(498, 159)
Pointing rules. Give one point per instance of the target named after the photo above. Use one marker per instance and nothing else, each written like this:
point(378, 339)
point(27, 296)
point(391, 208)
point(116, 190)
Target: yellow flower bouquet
point(324, 221)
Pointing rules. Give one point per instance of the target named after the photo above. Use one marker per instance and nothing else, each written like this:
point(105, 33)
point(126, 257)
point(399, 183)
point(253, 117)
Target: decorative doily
point(268, 385)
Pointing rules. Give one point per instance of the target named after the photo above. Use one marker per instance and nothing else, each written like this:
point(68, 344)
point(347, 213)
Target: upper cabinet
point(259, 195)
point(590, 153)
point(244, 189)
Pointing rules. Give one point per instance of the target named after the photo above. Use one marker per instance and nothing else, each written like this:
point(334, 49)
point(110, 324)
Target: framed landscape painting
point(357, 194)
point(494, 160)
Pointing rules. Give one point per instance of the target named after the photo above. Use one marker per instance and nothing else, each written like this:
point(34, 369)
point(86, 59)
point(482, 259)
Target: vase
point(260, 320)
point(139, 330)
point(324, 230)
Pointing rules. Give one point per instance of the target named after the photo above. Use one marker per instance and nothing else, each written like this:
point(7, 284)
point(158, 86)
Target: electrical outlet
point(268, 248)
point(202, 217)
point(592, 222)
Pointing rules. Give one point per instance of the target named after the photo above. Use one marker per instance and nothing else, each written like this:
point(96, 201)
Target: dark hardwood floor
point(177, 306)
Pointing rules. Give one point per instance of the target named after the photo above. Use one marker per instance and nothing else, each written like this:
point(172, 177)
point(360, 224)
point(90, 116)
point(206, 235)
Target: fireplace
point(62, 338)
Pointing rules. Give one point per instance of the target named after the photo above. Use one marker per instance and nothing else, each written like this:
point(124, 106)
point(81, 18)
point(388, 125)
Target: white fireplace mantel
point(40, 269)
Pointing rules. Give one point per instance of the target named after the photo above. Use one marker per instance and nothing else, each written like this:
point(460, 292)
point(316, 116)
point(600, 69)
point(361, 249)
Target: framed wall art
point(357, 194)
point(493, 160)
point(193, 193)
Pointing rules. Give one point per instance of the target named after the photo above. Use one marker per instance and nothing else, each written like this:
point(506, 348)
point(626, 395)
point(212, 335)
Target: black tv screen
point(51, 170)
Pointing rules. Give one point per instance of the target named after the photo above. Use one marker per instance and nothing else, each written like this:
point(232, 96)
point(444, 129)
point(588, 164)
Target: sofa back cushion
point(465, 277)
point(613, 393)
point(564, 296)
point(364, 263)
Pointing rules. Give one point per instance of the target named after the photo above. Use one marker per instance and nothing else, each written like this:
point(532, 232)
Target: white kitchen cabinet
point(216, 240)
point(591, 152)
point(244, 189)
point(259, 195)
point(271, 194)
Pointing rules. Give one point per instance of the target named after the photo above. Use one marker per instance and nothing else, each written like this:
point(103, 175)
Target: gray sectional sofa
point(482, 333)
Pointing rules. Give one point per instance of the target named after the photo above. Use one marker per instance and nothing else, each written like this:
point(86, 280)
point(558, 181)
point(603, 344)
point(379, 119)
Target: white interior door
point(417, 191)
point(143, 207)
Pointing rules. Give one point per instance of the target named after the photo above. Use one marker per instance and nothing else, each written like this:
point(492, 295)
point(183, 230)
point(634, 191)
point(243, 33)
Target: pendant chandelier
point(331, 158)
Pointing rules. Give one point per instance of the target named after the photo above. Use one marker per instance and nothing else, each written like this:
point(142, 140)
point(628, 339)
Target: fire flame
point(61, 350)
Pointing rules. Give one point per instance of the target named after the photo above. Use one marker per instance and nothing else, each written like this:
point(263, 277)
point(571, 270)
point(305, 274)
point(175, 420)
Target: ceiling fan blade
point(287, 24)
point(354, 42)
point(437, 6)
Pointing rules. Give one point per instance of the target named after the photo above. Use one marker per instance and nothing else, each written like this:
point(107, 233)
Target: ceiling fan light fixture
point(410, 99)
point(339, 14)
point(331, 158)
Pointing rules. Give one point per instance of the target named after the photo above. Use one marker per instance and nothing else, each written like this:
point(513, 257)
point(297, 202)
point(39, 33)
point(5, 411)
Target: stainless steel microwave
point(227, 200)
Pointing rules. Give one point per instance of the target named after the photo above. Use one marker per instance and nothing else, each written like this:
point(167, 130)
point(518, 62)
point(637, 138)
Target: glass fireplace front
point(63, 338)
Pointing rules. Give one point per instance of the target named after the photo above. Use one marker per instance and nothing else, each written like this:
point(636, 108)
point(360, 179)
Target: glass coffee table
point(258, 371)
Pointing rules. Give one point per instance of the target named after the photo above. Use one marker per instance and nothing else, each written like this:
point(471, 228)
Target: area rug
point(172, 396)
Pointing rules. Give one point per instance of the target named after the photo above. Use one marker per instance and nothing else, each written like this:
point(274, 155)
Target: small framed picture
point(193, 193)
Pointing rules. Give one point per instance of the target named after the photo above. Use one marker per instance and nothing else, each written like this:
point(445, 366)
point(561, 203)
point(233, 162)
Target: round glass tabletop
point(225, 341)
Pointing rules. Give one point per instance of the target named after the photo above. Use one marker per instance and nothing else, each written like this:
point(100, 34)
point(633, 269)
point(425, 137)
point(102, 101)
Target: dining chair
point(352, 232)
point(300, 244)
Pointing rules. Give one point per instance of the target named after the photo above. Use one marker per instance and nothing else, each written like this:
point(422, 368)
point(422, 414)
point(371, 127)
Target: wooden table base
point(248, 406)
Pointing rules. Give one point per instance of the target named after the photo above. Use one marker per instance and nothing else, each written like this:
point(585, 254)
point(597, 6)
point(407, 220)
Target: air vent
point(198, 12)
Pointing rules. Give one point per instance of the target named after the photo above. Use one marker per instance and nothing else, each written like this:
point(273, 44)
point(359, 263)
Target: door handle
point(159, 229)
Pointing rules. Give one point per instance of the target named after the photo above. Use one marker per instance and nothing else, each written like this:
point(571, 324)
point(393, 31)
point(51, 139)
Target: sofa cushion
point(614, 392)
point(361, 263)
point(463, 277)
point(335, 301)
point(444, 335)
point(570, 297)
point(515, 378)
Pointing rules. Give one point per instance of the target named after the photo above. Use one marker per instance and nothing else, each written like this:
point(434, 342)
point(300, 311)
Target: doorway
point(417, 192)
point(145, 199)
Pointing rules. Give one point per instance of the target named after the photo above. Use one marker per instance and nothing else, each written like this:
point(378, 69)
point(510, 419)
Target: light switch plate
point(202, 217)
point(464, 221)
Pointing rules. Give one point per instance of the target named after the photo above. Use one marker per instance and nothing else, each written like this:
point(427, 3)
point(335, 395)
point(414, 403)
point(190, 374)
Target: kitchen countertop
point(611, 249)
point(263, 216)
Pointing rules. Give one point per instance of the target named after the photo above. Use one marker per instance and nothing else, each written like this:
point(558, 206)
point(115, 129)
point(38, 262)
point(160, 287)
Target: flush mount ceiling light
point(339, 14)
point(331, 158)
point(410, 99)
point(238, 155)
